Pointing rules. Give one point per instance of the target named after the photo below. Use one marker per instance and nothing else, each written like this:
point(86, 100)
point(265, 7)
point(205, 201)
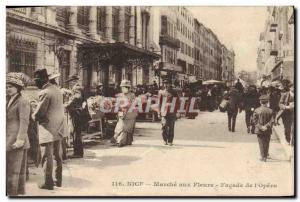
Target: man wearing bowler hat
point(263, 120)
point(50, 114)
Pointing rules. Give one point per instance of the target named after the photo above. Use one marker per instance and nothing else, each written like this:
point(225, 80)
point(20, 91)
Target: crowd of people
point(264, 107)
point(57, 113)
point(44, 124)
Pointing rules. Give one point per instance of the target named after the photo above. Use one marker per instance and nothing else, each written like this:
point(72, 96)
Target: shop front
point(112, 62)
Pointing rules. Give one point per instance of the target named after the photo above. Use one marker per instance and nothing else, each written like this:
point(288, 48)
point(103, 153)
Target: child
point(263, 120)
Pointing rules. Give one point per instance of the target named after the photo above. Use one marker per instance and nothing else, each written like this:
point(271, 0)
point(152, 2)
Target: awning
point(277, 65)
point(116, 53)
point(288, 70)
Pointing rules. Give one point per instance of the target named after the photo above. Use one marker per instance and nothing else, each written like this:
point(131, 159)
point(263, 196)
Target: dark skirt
point(16, 163)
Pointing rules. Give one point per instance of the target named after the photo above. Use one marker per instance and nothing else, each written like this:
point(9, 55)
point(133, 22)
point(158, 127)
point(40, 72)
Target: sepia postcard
point(150, 101)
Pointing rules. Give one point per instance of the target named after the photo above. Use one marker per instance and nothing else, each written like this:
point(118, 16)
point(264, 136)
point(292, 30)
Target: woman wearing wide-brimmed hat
point(126, 116)
point(17, 143)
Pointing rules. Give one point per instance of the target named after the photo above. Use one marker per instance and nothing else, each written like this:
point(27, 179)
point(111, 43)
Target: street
point(206, 159)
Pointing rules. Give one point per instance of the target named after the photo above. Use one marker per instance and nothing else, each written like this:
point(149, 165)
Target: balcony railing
point(19, 10)
point(170, 67)
point(273, 26)
point(274, 52)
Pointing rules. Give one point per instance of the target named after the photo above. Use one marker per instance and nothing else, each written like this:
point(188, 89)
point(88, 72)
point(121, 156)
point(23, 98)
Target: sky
point(236, 27)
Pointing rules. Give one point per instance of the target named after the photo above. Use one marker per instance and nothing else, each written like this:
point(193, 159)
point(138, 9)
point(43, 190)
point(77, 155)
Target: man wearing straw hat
point(52, 80)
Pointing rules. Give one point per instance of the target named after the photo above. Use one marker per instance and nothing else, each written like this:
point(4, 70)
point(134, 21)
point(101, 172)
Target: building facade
point(275, 60)
point(100, 44)
point(185, 30)
point(110, 43)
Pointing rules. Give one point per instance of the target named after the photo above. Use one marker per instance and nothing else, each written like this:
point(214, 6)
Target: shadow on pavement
point(104, 161)
point(155, 146)
point(206, 146)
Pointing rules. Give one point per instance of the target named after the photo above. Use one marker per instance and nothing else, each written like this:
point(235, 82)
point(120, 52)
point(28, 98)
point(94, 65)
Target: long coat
point(126, 120)
point(50, 110)
point(263, 116)
point(235, 99)
point(286, 99)
point(251, 100)
point(17, 121)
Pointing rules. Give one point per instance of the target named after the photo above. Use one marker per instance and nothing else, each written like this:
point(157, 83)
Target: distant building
point(250, 77)
point(228, 66)
point(186, 36)
point(275, 60)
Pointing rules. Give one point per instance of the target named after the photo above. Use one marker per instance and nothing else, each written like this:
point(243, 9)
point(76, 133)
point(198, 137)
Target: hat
point(77, 88)
point(99, 84)
point(286, 83)
point(14, 78)
point(40, 74)
point(125, 83)
point(73, 78)
point(264, 98)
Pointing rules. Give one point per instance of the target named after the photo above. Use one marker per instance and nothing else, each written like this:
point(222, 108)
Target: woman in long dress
point(126, 116)
point(17, 142)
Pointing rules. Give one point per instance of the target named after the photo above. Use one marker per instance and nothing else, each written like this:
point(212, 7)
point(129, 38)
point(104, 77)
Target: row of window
point(168, 27)
point(186, 49)
point(202, 73)
point(184, 30)
point(186, 16)
point(169, 55)
point(192, 52)
point(197, 41)
point(63, 14)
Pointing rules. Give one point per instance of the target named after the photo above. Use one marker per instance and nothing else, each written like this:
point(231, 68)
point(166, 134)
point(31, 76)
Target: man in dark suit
point(235, 98)
point(286, 105)
point(168, 110)
point(263, 120)
point(251, 102)
point(50, 114)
